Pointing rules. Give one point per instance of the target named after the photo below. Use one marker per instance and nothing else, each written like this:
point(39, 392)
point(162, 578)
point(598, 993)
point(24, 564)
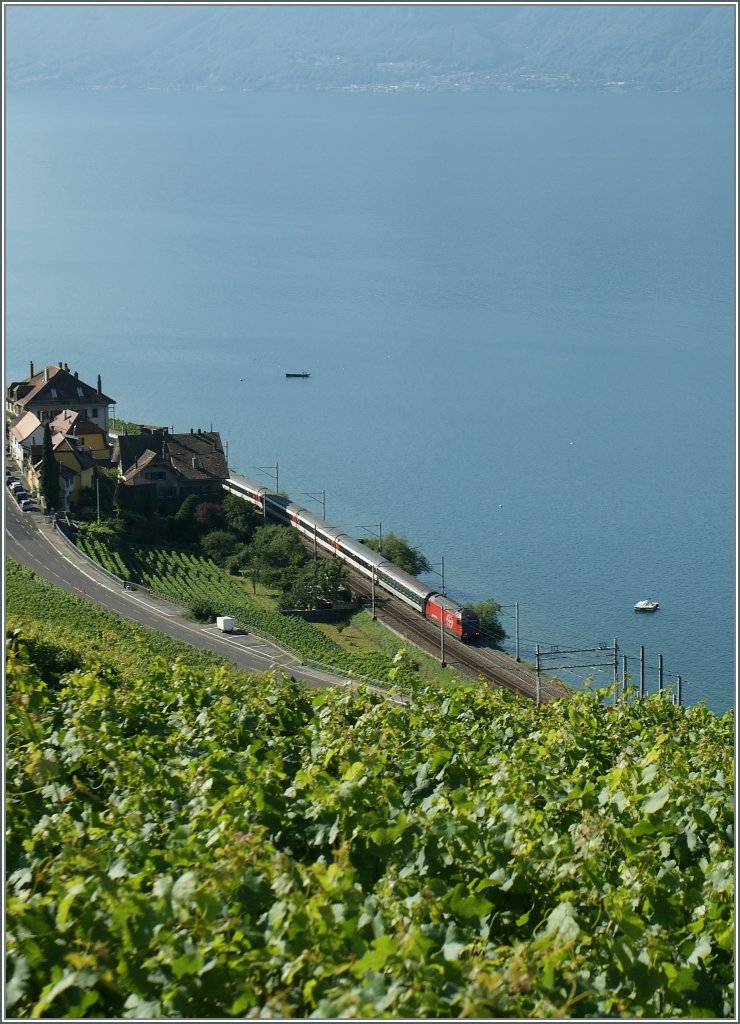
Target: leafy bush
point(219, 546)
point(201, 610)
point(488, 612)
point(209, 515)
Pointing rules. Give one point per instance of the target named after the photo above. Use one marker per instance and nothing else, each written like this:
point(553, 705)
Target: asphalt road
point(31, 540)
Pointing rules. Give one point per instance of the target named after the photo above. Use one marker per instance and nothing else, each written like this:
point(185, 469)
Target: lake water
point(517, 311)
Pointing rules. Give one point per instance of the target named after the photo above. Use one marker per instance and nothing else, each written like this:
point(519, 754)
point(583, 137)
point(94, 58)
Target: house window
point(95, 414)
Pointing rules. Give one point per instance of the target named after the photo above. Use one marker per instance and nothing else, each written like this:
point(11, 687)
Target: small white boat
point(646, 606)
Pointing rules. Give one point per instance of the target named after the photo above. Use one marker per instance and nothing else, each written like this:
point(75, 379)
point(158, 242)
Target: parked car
point(16, 485)
point(27, 504)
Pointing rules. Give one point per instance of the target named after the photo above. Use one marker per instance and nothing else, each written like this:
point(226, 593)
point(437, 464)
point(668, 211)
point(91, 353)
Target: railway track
point(494, 666)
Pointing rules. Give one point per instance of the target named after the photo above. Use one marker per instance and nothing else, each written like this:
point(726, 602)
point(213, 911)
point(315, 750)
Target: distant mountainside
point(371, 47)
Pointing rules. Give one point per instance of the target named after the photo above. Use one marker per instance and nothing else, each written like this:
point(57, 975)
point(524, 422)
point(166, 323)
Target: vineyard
point(186, 843)
point(61, 629)
point(185, 577)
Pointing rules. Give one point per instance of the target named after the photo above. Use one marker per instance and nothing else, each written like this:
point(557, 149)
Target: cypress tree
point(49, 472)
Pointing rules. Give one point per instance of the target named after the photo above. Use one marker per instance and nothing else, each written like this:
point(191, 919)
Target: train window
point(399, 588)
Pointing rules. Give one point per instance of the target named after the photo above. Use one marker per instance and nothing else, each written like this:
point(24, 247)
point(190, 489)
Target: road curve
point(31, 540)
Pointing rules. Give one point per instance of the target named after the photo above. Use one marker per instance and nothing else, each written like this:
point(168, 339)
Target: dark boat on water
point(303, 373)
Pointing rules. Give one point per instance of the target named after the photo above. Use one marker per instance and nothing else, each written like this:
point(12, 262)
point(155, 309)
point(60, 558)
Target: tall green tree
point(49, 477)
point(241, 517)
point(275, 549)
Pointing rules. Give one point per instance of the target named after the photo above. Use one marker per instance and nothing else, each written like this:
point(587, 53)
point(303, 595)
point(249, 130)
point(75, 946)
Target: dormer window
point(80, 392)
point(54, 393)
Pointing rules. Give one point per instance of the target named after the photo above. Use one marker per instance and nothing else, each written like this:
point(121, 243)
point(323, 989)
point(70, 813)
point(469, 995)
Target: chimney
point(30, 369)
point(194, 461)
point(191, 430)
point(46, 374)
point(100, 386)
point(76, 375)
point(66, 368)
point(60, 365)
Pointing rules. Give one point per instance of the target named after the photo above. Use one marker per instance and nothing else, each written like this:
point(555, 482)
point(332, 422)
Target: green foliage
point(140, 500)
point(320, 581)
point(398, 550)
point(219, 546)
point(187, 508)
point(43, 613)
point(107, 481)
point(488, 612)
point(209, 516)
point(125, 426)
point(201, 610)
point(108, 531)
point(275, 549)
point(189, 844)
point(241, 518)
point(49, 475)
point(184, 577)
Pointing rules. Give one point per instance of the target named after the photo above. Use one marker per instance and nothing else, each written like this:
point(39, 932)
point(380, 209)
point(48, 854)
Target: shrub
point(201, 610)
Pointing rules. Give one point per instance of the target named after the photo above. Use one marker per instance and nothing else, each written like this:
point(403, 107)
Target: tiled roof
point(84, 460)
point(24, 426)
point(55, 384)
point(198, 456)
point(195, 456)
point(75, 422)
point(142, 461)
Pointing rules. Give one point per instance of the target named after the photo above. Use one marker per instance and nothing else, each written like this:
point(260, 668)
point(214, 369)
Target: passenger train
point(453, 617)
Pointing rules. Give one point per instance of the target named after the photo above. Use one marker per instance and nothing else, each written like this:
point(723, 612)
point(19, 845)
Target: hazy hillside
point(371, 47)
